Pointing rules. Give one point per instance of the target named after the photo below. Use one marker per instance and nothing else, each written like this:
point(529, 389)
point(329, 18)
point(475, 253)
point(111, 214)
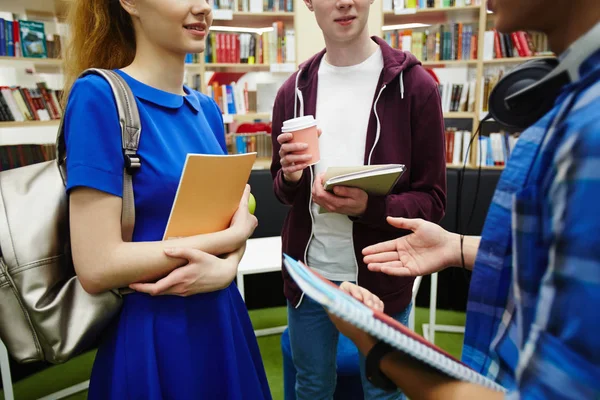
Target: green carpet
point(78, 369)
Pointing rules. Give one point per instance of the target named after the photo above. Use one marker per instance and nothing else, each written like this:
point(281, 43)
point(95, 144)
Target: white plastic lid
point(296, 124)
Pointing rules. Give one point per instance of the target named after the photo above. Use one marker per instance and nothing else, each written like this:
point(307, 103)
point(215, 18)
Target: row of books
point(233, 98)
point(455, 41)
point(23, 38)
point(273, 47)
point(490, 80)
point(253, 142)
point(495, 149)
point(15, 156)
point(458, 97)
point(266, 5)
point(516, 44)
point(457, 144)
point(398, 5)
point(29, 104)
point(254, 6)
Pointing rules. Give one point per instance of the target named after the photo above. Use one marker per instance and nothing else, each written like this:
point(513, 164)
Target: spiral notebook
point(381, 325)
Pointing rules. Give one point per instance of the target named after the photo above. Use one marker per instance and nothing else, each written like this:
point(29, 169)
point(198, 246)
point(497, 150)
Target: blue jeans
point(313, 340)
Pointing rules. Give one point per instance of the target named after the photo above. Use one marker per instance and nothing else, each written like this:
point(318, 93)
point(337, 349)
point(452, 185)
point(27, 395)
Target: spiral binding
point(410, 346)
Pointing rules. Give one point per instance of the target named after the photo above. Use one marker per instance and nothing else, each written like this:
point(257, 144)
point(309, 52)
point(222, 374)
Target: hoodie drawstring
point(298, 95)
point(401, 85)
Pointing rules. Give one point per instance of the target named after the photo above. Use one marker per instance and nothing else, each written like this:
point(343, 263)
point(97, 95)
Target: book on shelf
point(231, 98)
point(29, 104)
point(208, 194)
point(254, 6)
point(27, 38)
point(399, 6)
point(457, 146)
point(274, 47)
point(458, 97)
point(495, 149)
point(446, 42)
point(255, 142)
point(20, 155)
point(516, 44)
point(380, 325)
point(258, 6)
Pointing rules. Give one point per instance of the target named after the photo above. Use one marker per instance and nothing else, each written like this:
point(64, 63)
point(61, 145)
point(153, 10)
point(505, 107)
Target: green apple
point(251, 204)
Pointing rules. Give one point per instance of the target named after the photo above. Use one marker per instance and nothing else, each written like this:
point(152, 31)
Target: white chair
point(7, 385)
point(430, 328)
point(415, 291)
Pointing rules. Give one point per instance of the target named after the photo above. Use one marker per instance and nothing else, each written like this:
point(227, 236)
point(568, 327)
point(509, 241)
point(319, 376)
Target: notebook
point(373, 179)
point(381, 325)
point(377, 180)
point(209, 192)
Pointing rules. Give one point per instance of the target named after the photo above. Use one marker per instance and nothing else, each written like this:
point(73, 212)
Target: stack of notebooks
point(380, 325)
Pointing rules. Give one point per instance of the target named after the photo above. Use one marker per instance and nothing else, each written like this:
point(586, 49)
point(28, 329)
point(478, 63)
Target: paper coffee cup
point(304, 130)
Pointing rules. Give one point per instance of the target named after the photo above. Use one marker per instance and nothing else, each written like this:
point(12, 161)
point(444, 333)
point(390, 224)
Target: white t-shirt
point(344, 105)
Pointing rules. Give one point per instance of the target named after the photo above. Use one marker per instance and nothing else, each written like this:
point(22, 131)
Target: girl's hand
point(203, 273)
point(243, 223)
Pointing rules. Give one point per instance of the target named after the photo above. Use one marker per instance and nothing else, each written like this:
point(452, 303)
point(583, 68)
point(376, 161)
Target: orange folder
point(209, 193)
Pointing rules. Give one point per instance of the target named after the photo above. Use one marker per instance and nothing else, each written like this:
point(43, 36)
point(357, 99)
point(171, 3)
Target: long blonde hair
point(101, 36)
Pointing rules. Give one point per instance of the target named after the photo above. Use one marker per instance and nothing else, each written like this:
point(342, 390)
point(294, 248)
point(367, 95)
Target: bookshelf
point(46, 62)
point(251, 19)
point(478, 68)
point(28, 124)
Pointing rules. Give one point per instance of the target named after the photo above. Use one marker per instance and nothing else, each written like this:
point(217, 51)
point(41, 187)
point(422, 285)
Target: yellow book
point(208, 194)
point(377, 180)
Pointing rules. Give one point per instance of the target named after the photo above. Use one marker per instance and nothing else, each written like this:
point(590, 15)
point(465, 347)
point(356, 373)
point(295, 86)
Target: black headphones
point(527, 92)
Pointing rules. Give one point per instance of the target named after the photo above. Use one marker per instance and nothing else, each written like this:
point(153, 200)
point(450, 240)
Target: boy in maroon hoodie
point(374, 105)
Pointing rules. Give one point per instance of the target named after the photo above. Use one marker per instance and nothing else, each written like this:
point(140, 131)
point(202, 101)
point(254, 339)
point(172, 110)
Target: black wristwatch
point(372, 371)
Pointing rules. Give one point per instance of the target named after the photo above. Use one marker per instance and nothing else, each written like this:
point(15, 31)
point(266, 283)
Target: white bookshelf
point(34, 132)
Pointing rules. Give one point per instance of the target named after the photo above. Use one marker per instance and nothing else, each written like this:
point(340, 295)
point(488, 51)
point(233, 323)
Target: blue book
point(2, 37)
point(10, 43)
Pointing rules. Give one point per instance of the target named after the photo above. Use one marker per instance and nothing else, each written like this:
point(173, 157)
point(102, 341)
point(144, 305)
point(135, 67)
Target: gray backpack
point(45, 315)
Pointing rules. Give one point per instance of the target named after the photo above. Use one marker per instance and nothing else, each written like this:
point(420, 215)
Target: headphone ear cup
point(530, 105)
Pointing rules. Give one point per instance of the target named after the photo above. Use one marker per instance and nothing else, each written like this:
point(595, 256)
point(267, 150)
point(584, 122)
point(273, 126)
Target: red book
point(380, 325)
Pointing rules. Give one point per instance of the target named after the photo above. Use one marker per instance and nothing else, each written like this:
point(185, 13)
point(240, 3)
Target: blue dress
point(163, 347)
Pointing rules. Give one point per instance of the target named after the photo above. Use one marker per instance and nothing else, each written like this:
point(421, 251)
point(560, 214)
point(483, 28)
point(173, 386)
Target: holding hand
point(344, 200)
point(427, 250)
point(243, 223)
point(292, 164)
point(363, 340)
point(203, 273)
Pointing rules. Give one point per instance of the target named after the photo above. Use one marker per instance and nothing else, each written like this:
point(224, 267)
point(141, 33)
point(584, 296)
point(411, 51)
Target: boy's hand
point(361, 339)
point(344, 200)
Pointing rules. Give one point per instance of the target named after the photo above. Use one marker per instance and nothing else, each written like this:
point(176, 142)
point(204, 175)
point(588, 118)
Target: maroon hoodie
point(406, 126)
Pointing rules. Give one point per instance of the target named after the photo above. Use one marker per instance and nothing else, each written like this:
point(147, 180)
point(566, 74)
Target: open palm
point(424, 251)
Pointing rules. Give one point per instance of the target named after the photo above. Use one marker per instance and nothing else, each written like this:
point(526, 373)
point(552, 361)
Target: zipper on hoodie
point(377, 134)
point(298, 96)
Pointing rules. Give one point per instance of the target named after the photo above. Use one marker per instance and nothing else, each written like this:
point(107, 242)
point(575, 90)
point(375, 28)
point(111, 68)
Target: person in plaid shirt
point(534, 301)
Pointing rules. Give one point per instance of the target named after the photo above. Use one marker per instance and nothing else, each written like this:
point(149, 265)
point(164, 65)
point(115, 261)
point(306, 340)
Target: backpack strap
point(131, 128)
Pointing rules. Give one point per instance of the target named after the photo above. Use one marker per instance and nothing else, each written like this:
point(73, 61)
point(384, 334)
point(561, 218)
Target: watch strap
point(372, 370)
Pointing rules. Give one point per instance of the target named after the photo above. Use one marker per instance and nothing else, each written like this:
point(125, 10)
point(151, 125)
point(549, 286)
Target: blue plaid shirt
point(533, 315)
